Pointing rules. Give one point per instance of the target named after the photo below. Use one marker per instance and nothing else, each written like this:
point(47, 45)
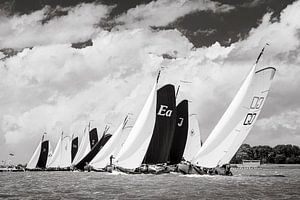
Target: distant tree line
point(280, 154)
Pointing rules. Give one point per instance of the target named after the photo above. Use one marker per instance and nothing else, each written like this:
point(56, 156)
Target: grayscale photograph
point(149, 99)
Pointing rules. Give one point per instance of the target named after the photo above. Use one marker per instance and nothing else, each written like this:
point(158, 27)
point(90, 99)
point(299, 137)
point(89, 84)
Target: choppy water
point(275, 183)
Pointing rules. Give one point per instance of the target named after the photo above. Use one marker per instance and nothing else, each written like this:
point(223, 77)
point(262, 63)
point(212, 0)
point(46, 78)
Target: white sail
point(237, 121)
point(61, 157)
point(66, 152)
point(193, 142)
point(260, 88)
point(124, 136)
point(84, 147)
point(35, 157)
point(134, 149)
point(55, 158)
point(50, 153)
point(102, 159)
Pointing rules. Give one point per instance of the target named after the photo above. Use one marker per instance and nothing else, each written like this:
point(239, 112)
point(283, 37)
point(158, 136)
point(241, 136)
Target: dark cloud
point(202, 28)
point(230, 26)
point(27, 6)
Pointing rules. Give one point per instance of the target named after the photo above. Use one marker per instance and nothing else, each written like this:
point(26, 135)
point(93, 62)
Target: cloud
point(163, 12)
point(289, 120)
point(28, 30)
point(55, 87)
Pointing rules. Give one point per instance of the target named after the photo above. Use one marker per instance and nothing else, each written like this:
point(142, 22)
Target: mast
point(261, 53)
point(158, 75)
point(177, 91)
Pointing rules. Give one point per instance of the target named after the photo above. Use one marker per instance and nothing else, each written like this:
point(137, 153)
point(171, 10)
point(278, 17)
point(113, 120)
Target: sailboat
point(165, 121)
point(94, 150)
point(111, 149)
point(135, 147)
point(193, 143)
point(180, 134)
point(237, 121)
point(89, 139)
point(40, 156)
point(61, 158)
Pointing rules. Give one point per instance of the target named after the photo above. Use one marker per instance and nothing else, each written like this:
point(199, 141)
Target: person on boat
point(111, 159)
point(87, 167)
point(227, 170)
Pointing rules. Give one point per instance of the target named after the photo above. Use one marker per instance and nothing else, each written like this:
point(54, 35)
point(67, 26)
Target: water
point(267, 183)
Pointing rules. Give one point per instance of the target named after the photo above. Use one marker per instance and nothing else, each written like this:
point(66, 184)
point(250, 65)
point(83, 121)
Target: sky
point(47, 85)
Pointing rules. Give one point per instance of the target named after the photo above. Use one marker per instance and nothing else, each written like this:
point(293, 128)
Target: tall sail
point(96, 148)
point(61, 157)
point(237, 121)
point(35, 157)
point(193, 142)
point(66, 152)
point(134, 149)
point(42, 161)
point(102, 159)
point(41, 155)
point(180, 134)
point(88, 141)
point(124, 136)
point(258, 97)
point(49, 154)
point(93, 137)
point(55, 158)
point(161, 141)
point(74, 148)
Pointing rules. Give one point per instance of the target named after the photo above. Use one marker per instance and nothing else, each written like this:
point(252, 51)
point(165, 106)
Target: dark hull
point(187, 168)
point(58, 169)
point(145, 169)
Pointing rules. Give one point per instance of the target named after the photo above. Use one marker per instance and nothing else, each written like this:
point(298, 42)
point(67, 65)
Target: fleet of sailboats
point(164, 137)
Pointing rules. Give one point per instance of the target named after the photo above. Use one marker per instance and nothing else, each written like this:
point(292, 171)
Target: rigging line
point(125, 121)
point(183, 81)
point(177, 91)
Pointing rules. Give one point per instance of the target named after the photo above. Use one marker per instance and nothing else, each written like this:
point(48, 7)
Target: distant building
point(249, 164)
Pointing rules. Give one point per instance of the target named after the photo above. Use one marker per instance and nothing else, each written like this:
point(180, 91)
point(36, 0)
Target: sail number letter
point(256, 102)
point(180, 122)
point(163, 111)
point(249, 118)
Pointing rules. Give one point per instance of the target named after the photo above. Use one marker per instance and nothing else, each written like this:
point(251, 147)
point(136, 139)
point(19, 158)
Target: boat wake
point(267, 175)
point(117, 173)
point(198, 176)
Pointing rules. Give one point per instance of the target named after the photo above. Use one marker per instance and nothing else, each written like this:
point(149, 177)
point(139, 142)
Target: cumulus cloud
point(163, 12)
point(28, 30)
point(289, 119)
point(61, 88)
point(54, 87)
